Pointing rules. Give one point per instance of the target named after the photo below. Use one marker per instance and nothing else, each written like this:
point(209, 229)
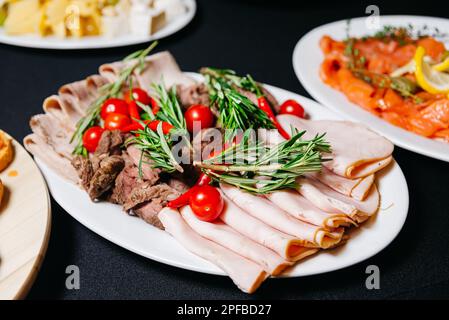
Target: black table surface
point(255, 37)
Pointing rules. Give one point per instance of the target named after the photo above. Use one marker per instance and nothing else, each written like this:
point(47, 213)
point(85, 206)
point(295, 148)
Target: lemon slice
point(409, 67)
point(442, 66)
point(429, 79)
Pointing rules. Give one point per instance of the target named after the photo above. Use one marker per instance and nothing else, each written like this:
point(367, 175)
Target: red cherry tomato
point(116, 121)
point(113, 105)
point(138, 95)
point(206, 202)
point(201, 114)
point(91, 138)
point(292, 107)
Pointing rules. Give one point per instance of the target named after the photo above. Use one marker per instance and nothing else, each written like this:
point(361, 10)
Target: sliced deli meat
point(355, 188)
point(246, 274)
point(61, 165)
point(300, 208)
point(262, 209)
point(159, 66)
point(331, 201)
point(224, 235)
point(285, 245)
point(356, 151)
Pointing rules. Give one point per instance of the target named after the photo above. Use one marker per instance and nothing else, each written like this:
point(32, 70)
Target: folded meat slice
point(224, 235)
point(267, 212)
point(49, 129)
point(247, 275)
point(285, 245)
point(64, 112)
point(81, 94)
point(159, 66)
point(40, 148)
point(300, 208)
point(356, 151)
point(355, 188)
point(331, 201)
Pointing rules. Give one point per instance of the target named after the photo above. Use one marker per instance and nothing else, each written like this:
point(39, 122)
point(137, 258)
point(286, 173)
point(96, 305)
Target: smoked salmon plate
point(216, 172)
point(398, 73)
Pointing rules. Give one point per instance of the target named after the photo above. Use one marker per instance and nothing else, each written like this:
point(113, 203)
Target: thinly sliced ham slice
point(356, 151)
point(53, 133)
point(300, 208)
point(331, 201)
point(224, 235)
point(355, 188)
point(61, 165)
point(285, 245)
point(264, 210)
point(247, 275)
point(158, 67)
point(61, 110)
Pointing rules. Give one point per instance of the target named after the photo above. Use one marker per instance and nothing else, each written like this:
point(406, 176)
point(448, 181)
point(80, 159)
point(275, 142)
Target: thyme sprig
point(107, 91)
point(259, 168)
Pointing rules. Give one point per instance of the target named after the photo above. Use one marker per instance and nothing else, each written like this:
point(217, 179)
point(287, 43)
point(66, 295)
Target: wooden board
point(25, 219)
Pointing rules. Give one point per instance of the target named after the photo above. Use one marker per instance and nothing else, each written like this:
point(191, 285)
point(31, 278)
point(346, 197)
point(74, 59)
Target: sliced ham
point(61, 110)
point(158, 67)
point(247, 275)
point(287, 246)
point(61, 165)
point(227, 237)
point(355, 188)
point(356, 151)
point(300, 208)
point(53, 133)
point(331, 201)
point(267, 212)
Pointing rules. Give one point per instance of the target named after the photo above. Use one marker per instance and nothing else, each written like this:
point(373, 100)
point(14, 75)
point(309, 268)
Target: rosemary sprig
point(108, 91)
point(270, 168)
point(157, 146)
point(236, 110)
point(170, 109)
point(156, 149)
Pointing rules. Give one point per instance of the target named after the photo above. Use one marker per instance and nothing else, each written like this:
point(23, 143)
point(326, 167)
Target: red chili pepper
point(134, 110)
point(184, 199)
point(132, 127)
point(166, 127)
point(154, 106)
point(265, 106)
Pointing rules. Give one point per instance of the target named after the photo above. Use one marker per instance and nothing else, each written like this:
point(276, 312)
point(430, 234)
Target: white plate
point(307, 58)
point(109, 221)
point(96, 42)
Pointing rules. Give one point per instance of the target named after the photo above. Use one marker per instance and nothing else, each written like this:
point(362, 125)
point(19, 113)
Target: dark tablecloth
point(251, 37)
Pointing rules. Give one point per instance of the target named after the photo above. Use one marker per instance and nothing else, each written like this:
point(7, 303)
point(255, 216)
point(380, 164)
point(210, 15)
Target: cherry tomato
point(206, 202)
point(200, 113)
point(116, 121)
point(138, 95)
point(113, 105)
point(91, 138)
point(292, 107)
